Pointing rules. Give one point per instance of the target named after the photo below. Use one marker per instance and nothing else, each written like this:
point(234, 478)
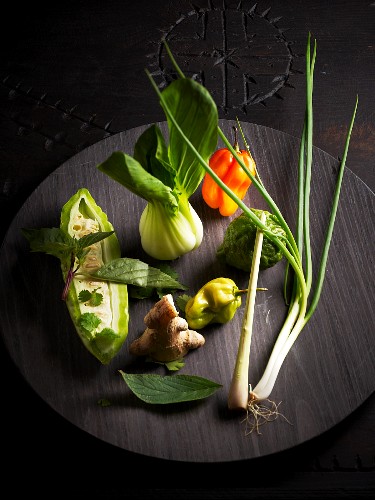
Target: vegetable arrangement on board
point(98, 279)
point(296, 249)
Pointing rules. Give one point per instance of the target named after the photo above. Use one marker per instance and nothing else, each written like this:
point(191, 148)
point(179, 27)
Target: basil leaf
point(137, 273)
point(51, 241)
point(92, 238)
point(155, 389)
point(54, 241)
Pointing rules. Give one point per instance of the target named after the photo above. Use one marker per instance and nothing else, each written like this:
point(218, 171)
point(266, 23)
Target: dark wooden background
point(73, 73)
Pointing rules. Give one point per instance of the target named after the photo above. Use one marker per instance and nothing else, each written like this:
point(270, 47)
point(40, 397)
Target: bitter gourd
point(102, 325)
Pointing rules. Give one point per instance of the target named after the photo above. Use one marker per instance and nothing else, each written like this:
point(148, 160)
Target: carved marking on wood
point(239, 54)
point(27, 123)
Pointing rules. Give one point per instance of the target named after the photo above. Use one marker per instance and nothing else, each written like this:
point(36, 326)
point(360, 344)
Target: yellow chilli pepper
point(216, 302)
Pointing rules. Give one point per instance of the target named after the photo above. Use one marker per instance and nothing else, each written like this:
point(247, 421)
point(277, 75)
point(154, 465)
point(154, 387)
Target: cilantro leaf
point(175, 365)
point(91, 298)
point(96, 299)
point(104, 339)
point(107, 333)
point(84, 296)
point(89, 322)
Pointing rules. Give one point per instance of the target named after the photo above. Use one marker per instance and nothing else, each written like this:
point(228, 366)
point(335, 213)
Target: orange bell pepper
point(225, 166)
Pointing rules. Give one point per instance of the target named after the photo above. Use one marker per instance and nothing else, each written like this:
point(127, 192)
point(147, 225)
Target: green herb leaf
point(182, 300)
point(52, 241)
point(96, 299)
point(89, 321)
point(84, 296)
point(93, 299)
point(92, 238)
point(105, 338)
point(155, 389)
point(137, 273)
point(175, 365)
point(107, 333)
point(166, 269)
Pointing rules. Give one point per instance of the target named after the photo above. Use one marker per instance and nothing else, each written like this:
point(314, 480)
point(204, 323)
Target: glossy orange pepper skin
point(232, 174)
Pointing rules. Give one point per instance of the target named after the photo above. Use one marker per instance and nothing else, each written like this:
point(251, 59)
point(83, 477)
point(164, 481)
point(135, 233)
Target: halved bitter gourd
point(102, 325)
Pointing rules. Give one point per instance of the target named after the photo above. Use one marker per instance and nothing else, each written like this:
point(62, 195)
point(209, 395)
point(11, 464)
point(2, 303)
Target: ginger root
point(167, 336)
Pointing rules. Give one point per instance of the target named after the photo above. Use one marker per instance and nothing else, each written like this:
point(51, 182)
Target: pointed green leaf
point(135, 272)
point(52, 241)
point(92, 238)
point(155, 389)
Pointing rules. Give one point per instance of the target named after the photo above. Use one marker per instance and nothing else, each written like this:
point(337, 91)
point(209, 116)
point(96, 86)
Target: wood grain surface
point(327, 375)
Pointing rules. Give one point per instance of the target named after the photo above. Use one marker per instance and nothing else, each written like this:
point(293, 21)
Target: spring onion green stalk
point(301, 306)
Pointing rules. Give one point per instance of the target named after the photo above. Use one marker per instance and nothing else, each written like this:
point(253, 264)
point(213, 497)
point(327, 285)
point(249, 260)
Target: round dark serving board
point(328, 373)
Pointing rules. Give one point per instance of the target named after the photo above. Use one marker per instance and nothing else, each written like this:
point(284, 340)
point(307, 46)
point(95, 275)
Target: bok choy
point(166, 175)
